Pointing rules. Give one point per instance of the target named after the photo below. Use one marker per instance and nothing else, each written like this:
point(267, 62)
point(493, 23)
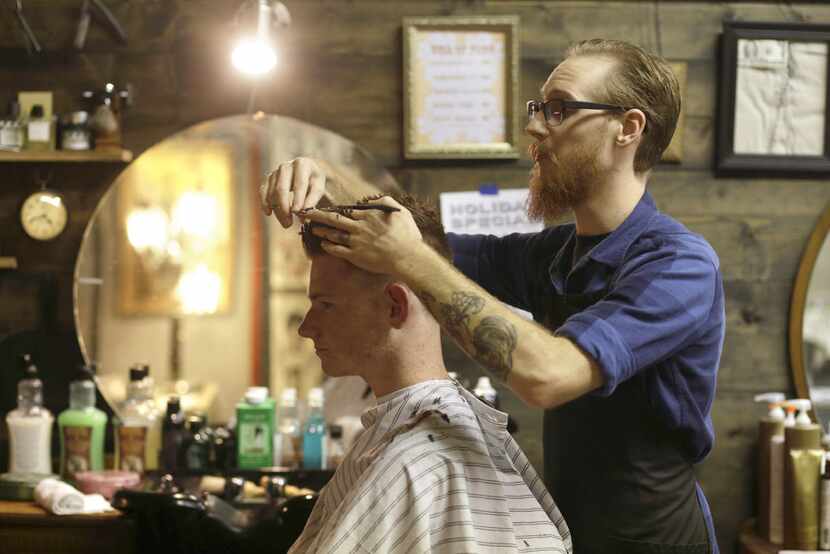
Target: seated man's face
point(346, 320)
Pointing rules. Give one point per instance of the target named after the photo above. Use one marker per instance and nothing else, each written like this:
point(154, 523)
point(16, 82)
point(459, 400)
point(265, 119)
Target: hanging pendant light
point(256, 55)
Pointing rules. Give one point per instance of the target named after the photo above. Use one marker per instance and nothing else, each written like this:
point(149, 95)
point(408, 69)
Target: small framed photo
point(461, 87)
point(773, 100)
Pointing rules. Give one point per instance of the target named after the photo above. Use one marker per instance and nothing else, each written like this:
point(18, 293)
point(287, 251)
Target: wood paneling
point(341, 70)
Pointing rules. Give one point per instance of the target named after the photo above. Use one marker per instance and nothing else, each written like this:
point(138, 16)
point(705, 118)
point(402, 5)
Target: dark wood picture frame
point(728, 162)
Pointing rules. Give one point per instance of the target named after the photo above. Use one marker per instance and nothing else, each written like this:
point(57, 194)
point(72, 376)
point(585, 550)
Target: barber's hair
point(424, 213)
point(639, 80)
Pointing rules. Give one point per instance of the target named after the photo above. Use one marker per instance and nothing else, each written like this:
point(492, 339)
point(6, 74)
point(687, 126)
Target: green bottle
point(81, 427)
point(255, 429)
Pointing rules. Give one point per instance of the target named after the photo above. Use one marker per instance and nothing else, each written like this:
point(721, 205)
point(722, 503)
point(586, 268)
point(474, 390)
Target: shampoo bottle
point(30, 425)
point(81, 427)
point(255, 429)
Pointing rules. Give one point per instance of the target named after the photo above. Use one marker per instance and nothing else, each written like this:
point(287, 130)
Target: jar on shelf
point(75, 131)
point(12, 135)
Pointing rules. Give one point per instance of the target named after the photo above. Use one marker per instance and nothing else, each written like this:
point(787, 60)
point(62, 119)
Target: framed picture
point(461, 87)
point(174, 213)
point(773, 100)
point(674, 152)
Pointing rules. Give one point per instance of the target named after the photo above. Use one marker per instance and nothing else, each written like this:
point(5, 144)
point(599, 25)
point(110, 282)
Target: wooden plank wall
point(341, 69)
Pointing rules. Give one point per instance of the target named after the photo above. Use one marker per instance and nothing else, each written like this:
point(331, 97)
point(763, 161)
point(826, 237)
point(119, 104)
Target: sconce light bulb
point(254, 57)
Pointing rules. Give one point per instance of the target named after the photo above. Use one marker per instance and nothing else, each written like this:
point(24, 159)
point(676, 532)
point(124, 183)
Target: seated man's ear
point(398, 304)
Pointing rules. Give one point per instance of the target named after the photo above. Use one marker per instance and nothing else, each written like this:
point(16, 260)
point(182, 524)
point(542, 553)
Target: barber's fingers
point(332, 219)
point(302, 174)
point(292, 186)
point(336, 249)
point(316, 190)
point(387, 201)
point(335, 236)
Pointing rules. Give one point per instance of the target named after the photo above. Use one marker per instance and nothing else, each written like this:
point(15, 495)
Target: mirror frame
point(799, 300)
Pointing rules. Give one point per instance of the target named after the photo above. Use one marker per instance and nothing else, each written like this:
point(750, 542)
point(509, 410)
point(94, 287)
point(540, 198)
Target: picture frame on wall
point(461, 87)
point(674, 151)
point(774, 100)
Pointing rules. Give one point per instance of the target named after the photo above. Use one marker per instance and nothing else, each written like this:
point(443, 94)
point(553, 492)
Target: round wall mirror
point(178, 269)
point(810, 322)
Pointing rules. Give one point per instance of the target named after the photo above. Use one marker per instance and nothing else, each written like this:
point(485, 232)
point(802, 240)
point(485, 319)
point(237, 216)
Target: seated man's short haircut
point(426, 218)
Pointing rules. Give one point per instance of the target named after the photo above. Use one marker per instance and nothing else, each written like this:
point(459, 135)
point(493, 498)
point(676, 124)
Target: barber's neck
point(610, 204)
point(405, 365)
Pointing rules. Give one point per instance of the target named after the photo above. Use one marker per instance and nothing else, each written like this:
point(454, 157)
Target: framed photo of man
point(773, 100)
point(461, 87)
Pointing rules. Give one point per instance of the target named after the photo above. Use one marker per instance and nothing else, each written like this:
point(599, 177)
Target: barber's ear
point(633, 127)
point(398, 305)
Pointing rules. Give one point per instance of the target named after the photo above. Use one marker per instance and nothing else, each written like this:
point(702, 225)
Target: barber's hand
point(291, 187)
point(370, 239)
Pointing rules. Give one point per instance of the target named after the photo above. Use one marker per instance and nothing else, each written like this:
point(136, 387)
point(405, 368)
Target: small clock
point(43, 215)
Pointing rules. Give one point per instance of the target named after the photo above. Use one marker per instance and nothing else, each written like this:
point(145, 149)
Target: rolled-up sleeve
point(659, 302)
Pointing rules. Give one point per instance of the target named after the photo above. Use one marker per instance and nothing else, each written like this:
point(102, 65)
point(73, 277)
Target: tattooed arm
point(544, 370)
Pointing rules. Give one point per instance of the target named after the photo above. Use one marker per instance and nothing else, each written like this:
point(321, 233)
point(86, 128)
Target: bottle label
point(132, 444)
point(77, 442)
point(39, 131)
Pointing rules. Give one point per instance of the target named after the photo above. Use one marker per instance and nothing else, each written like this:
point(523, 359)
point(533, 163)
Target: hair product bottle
point(287, 438)
point(81, 427)
point(30, 425)
point(801, 480)
point(314, 432)
point(172, 436)
point(770, 472)
point(136, 420)
point(255, 429)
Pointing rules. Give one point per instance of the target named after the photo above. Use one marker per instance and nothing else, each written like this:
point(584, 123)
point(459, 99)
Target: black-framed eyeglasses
point(555, 110)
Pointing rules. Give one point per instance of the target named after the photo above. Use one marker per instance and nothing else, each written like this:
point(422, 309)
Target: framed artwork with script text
point(461, 87)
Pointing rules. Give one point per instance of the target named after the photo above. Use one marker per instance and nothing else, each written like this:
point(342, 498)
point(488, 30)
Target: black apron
point(618, 476)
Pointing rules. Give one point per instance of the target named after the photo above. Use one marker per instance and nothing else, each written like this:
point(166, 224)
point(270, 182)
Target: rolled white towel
point(63, 499)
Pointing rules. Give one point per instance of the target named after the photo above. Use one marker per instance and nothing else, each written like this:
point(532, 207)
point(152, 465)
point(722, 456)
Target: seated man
point(435, 469)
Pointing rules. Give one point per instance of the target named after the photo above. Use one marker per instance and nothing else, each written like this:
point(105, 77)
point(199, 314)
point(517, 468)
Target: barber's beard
point(567, 182)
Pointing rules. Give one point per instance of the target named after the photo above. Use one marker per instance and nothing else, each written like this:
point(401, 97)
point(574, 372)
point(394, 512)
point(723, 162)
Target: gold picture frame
point(674, 151)
point(159, 277)
point(461, 87)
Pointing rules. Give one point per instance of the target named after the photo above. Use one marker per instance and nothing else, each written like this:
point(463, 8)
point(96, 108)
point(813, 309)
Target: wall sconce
point(256, 55)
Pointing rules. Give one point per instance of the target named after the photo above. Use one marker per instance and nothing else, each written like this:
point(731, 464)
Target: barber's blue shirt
point(664, 309)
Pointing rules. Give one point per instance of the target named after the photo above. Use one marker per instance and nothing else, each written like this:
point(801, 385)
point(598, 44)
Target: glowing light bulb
point(254, 57)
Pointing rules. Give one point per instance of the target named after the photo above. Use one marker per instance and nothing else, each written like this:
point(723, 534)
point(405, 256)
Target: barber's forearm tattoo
point(495, 340)
point(491, 342)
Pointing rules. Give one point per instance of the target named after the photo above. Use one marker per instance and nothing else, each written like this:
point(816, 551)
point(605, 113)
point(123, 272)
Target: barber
point(628, 303)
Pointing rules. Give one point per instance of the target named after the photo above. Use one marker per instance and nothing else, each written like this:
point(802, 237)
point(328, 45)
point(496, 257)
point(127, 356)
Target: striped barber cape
point(435, 471)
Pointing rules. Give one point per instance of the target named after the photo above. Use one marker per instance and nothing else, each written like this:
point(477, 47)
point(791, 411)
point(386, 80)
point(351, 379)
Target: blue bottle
point(314, 432)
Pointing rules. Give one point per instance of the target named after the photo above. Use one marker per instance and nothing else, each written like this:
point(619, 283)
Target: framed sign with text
point(460, 87)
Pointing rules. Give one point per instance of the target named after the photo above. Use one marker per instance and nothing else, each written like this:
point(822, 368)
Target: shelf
point(119, 155)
